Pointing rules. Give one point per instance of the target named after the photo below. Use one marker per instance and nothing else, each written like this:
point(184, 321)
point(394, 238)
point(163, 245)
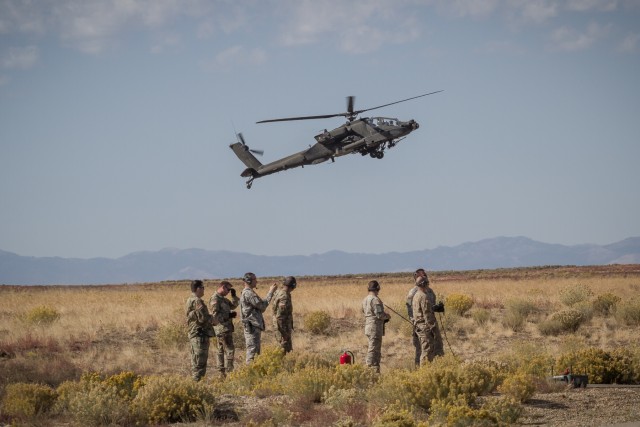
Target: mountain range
point(176, 264)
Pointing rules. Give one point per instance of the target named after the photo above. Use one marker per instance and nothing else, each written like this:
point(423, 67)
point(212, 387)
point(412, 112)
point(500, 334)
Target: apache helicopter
point(368, 135)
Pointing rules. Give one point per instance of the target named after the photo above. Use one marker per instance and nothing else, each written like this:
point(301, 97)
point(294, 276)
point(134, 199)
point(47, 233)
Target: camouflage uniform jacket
point(221, 312)
point(283, 309)
point(423, 314)
point(374, 315)
point(409, 303)
point(252, 307)
point(199, 321)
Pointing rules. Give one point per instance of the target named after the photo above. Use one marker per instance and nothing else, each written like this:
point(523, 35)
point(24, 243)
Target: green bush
point(574, 294)
point(317, 322)
point(42, 315)
point(171, 399)
point(628, 313)
point(24, 400)
point(459, 303)
point(605, 304)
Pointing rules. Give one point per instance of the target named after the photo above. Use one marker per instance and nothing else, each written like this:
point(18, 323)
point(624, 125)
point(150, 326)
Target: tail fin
point(242, 151)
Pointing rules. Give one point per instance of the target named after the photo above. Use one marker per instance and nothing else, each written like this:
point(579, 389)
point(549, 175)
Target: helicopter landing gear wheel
point(379, 155)
point(249, 183)
point(373, 154)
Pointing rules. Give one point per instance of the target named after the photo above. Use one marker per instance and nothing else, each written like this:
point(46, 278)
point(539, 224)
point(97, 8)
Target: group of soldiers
point(216, 320)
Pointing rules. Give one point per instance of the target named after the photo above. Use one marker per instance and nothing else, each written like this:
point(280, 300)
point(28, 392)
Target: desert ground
point(54, 334)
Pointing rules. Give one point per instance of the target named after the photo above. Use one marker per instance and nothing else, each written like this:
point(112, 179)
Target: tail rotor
point(246, 147)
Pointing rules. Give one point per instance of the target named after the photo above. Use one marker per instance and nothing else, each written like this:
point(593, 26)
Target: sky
point(116, 118)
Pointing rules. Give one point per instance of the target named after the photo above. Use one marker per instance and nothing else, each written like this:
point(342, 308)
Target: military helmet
point(290, 282)
point(248, 277)
point(226, 284)
point(373, 286)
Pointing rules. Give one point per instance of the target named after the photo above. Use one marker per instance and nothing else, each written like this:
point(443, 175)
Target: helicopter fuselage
point(365, 136)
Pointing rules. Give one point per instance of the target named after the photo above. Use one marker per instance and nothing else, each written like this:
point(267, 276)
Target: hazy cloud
point(569, 39)
point(19, 57)
point(472, 8)
point(630, 43)
point(236, 56)
point(354, 27)
point(531, 11)
point(585, 5)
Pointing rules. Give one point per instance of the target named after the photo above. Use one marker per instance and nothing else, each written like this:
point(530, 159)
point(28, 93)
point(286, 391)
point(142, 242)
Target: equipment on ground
point(367, 135)
point(347, 358)
point(571, 379)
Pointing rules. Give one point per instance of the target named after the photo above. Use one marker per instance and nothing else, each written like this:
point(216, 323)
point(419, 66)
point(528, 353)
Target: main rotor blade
point(326, 116)
point(349, 114)
point(397, 102)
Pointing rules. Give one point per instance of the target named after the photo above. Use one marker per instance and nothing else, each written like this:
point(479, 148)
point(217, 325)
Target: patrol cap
point(290, 281)
point(373, 286)
point(248, 277)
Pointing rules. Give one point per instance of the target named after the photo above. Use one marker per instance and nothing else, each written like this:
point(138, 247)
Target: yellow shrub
point(518, 386)
point(172, 398)
point(459, 303)
point(574, 294)
point(24, 400)
point(355, 376)
point(309, 383)
point(42, 315)
point(605, 304)
point(628, 313)
point(570, 319)
point(317, 322)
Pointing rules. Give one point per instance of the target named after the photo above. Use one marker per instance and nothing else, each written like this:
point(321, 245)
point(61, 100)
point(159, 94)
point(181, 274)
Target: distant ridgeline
point(173, 264)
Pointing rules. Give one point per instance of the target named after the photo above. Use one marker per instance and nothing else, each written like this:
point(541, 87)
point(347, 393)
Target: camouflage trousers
point(374, 351)
point(226, 353)
point(283, 338)
point(430, 342)
point(199, 356)
point(252, 336)
point(418, 347)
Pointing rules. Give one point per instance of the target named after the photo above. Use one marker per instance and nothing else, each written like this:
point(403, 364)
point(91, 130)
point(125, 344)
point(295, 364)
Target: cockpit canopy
point(384, 121)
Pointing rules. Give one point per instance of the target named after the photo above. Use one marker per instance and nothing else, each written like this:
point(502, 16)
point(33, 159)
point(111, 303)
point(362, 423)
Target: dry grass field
point(53, 334)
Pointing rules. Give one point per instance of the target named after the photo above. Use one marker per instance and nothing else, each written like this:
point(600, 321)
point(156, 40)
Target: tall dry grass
point(137, 327)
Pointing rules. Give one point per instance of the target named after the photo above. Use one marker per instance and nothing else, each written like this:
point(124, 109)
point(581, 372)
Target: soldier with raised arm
point(222, 312)
point(251, 309)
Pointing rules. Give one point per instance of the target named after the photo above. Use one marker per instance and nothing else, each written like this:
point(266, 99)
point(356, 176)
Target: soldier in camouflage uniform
point(374, 317)
point(283, 314)
point(222, 312)
point(425, 323)
point(200, 326)
point(251, 309)
point(416, 341)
